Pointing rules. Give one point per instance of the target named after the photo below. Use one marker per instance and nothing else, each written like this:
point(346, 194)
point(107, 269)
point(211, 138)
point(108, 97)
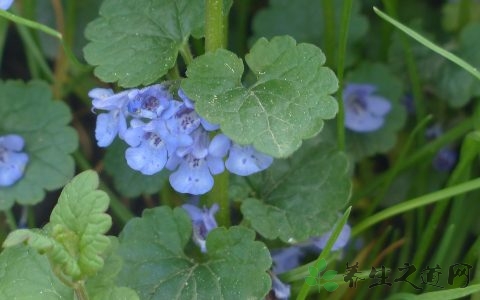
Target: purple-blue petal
point(105, 99)
point(445, 159)
point(203, 221)
point(378, 106)
point(195, 213)
point(106, 129)
point(188, 103)
point(341, 241)
point(219, 145)
point(280, 289)
point(286, 259)
point(215, 165)
point(146, 159)
point(149, 102)
point(362, 121)
point(12, 142)
point(209, 126)
point(192, 177)
point(12, 166)
point(364, 111)
point(5, 4)
point(245, 160)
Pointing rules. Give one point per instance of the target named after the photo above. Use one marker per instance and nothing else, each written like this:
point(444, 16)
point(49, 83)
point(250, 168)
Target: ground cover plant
point(239, 149)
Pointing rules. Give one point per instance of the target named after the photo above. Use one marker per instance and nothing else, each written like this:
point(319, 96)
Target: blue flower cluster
point(12, 160)
point(364, 111)
point(163, 132)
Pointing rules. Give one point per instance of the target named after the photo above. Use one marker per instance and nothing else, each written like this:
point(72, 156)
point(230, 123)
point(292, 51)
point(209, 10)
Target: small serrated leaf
point(79, 223)
point(321, 265)
point(287, 103)
point(330, 286)
point(28, 110)
point(34, 238)
point(156, 265)
point(311, 281)
point(329, 275)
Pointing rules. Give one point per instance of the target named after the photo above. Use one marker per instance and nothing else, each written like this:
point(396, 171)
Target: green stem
point(215, 38)
point(219, 195)
point(10, 219)
point(81, 291)
point(329, 29)
point(342, 49)
point(415, 203)
point(214, 25)
point(186, 54)
point(35, 53)
point(32, 24)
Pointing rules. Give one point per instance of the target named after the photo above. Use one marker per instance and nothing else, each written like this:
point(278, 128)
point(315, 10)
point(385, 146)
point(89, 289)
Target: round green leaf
point(157, 267)
point(29, 111)
point(299, 198)
point(137, 42)
point(287, 103)
point(129, 182)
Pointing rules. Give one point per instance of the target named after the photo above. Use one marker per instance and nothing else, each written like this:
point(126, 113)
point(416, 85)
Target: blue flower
point(184, 120)
point(149, 102)
point(149, 146)
point(114, 122)
point(5, 4)
point(197, 163)
point(12, 160)
point(341, 241)
point(203, 221)
point(245, 160)
point(364, 112)
point(280, 289)
point(445, 159)
point(189, 103)
point(286, 259)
